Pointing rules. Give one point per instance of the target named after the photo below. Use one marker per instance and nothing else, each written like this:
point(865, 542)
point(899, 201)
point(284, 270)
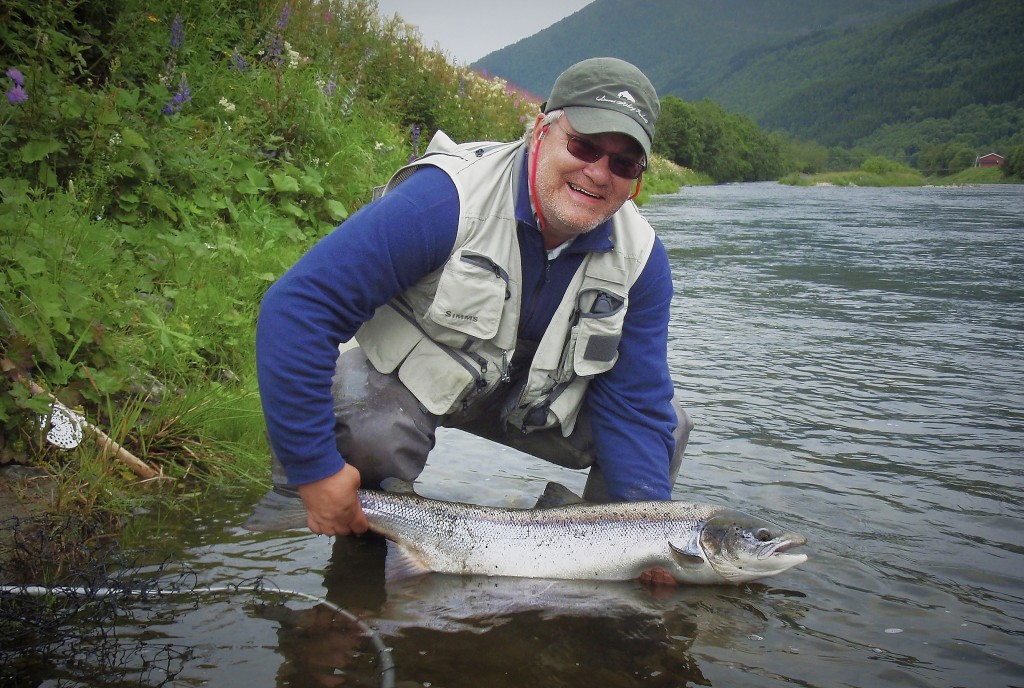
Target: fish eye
point(763, 535)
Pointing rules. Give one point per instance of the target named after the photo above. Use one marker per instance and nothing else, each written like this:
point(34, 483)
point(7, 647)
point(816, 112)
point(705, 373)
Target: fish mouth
point(780, 548)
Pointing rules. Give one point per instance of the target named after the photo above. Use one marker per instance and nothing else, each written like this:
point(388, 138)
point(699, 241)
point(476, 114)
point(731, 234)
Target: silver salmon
point(695, 543)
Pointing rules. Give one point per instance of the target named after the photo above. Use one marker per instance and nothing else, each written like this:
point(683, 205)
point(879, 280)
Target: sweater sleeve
point(631, 404)
point(322, 300)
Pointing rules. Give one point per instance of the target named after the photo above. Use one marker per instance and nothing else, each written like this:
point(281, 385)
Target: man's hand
point(332, 504)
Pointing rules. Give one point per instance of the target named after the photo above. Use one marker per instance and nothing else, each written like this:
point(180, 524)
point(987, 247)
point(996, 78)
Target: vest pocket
point(468, 303)
point(387, 338)
point(598, 331)
point(437, 377)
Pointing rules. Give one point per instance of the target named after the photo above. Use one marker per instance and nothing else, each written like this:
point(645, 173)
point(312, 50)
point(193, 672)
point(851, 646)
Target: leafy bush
point(1013, 165)
point(879, 165)
point(162, 163)
point(726, 147)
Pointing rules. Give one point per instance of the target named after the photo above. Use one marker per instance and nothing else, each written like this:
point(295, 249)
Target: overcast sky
point(469, 29)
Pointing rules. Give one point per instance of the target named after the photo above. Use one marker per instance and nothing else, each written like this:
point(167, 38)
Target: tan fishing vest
point(451, 336)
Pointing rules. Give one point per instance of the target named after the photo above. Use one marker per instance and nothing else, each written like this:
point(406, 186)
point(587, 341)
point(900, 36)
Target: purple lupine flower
point(16, 94)
point(331, 85)
point(178, 100)
point(274, 50)
point(328, 17)
point(415, 142)
point(282, 20)
point(16, 76)
point(462, 86)
point(238, 62)
point(177, 33)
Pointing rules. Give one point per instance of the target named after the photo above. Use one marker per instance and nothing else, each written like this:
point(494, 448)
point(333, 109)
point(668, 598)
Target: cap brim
point(590, 120)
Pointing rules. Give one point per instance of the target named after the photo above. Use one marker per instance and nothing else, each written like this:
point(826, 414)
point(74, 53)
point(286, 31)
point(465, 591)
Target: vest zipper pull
point(505, 377)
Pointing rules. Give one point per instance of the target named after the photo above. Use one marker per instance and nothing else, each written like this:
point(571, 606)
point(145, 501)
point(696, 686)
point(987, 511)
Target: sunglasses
point(590, 152)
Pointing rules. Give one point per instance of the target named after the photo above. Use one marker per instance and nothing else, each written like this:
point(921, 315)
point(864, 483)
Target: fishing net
point(95, 626)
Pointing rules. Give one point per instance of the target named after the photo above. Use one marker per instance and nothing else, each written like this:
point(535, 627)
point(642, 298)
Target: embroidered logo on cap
point(621, 100)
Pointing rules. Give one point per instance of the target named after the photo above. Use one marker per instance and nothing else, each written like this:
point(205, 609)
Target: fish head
point(742, 547)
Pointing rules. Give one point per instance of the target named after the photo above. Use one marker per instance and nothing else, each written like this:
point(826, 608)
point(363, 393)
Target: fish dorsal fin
point(557, 494)
point(400, 564)
point(688, 552)
point(397, 486)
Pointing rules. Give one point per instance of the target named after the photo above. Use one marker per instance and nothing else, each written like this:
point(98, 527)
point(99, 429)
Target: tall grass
point(161, 163)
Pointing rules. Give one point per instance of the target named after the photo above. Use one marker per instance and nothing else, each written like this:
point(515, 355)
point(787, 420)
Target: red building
point(989, 160)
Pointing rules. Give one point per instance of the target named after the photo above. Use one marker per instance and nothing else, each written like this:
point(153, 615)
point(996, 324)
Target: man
point(508, 289)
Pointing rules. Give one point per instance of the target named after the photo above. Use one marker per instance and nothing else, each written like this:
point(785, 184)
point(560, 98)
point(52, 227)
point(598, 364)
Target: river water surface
point(853, 360)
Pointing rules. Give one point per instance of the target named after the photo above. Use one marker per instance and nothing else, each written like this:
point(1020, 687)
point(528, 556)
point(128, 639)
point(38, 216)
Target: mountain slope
point(841, 87)
point(870, 72)
point(684, 46)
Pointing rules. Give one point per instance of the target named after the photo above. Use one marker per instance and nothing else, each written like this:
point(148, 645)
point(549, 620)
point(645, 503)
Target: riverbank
point(898, 176)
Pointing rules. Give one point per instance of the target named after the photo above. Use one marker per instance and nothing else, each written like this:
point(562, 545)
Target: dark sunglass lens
point(584, 150)
point(624, 167)
point(588, 152)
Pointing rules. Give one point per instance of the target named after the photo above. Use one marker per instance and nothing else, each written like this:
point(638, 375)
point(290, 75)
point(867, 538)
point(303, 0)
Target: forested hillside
point(889, 77)
point(950, 73)
point(684, 46)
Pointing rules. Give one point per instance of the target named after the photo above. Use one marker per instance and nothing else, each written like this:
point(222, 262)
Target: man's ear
point(539, 128)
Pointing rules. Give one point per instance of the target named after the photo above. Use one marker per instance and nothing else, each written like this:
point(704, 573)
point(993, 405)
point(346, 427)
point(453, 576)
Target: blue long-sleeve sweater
point(385, 248)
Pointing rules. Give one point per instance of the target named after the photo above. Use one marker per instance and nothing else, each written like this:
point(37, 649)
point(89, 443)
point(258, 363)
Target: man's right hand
point(332, 504)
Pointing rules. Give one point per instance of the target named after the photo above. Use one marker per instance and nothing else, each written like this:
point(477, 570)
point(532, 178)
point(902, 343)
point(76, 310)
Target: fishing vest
point(451, 336)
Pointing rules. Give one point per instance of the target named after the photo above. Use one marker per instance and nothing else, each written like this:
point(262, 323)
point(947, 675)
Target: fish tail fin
point(279, 509)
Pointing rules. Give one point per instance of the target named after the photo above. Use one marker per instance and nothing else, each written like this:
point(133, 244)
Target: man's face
point(576, 196)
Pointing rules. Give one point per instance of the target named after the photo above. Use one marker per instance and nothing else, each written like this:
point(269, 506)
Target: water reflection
point(475, 630)
point(319, 647)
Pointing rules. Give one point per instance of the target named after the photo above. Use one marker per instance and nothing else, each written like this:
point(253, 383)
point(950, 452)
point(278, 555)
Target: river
point(853, 361)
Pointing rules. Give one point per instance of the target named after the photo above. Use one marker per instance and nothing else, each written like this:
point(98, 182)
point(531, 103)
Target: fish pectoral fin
point(400, 564)
point(557, 494)
point(397, 486)
point(687, 553)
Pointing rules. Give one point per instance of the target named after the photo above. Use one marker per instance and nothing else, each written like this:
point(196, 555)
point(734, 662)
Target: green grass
point(882, 172)
point(141, 223)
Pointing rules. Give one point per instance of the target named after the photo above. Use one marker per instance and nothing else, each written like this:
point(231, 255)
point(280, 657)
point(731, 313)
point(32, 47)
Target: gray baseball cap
point(604, 95)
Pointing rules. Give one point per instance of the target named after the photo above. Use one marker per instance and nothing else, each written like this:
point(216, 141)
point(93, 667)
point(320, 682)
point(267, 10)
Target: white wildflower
point(226, 104)
point(294, 58)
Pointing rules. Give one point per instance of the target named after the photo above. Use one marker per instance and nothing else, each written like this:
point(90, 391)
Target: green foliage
point(686, 47)
point(944, 159)
point(666, 177)
point(902, 176)
point(949, 74)
point(881, 166)
point(727, 147)
point(1013, 166)
point(974, 175)
point(169, 162)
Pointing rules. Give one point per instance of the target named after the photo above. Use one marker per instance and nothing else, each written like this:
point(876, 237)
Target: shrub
point(161, 163)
